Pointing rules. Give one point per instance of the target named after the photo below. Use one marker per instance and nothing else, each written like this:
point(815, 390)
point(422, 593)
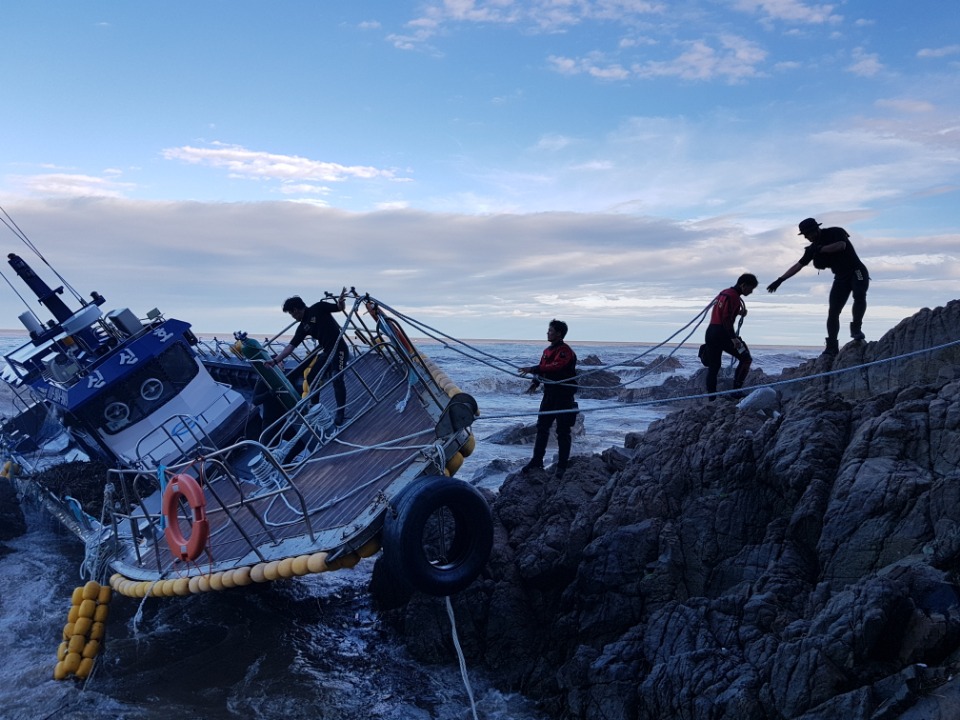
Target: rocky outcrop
point(796, 561)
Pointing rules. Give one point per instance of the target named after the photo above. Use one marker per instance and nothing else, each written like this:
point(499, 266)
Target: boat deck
point(334, 498)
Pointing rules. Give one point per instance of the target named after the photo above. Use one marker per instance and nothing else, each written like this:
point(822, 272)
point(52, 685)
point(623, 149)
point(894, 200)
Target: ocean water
point(306, 648)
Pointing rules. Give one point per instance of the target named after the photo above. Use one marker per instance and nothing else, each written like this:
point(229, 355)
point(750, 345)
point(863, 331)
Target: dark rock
point(800, 564)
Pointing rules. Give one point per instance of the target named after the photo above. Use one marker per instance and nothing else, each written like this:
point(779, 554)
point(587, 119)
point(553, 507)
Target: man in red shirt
point(722, 337)
point(557, 369)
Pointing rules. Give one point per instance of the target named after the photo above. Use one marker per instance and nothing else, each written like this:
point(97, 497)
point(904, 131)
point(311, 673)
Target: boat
point(193, 466)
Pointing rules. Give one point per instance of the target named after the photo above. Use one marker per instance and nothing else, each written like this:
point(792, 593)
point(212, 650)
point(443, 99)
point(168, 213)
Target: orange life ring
point(401, 336)
point(184, 486)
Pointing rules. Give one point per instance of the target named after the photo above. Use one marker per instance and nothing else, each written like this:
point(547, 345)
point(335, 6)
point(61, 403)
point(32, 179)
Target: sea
point(313, 647)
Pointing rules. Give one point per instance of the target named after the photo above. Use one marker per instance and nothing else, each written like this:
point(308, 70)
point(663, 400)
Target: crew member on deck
point(317, 322)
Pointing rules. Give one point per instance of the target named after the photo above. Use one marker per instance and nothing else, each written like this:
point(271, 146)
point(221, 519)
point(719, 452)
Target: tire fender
point(410, 520)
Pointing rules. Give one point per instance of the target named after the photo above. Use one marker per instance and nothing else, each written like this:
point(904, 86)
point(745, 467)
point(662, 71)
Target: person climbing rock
point(831, 248)
point(721, 337)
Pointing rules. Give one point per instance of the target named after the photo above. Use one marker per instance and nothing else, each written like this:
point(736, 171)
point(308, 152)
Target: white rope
point(743, 390)
point(463, 662)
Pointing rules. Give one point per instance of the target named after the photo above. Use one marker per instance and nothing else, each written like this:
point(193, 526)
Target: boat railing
point(141, 492)
point(179, 436)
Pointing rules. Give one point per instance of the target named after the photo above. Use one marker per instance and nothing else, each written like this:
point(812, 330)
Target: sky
point(482, 165)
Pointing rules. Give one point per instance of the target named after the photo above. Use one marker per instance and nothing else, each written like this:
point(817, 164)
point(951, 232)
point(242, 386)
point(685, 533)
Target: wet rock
point(797, 562)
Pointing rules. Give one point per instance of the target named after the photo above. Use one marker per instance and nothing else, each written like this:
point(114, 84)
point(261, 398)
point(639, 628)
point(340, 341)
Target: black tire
point(438, 535)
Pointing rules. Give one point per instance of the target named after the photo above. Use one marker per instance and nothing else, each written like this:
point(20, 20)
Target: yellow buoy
point(62, 650)
point(204, 584)
point(77, 596)
point(100, 615)
point(455, 463)
point(285, 568)
point(73, 614)
point(83, 671)
point(76, 643)
point(60, 671)
point(104, 595)
point(194, 584)
point(241, 576)
point(228, 581)
point(317, 562)
point(82, 626)
point(469, 446)
point(181, 587)
point(91, 649)
point(270, 571)
point(299, 565)
point(68, 631)
point(88, 608)
point(91, 590)
point(96, 631)
point(71, 662)
point(369, 548)
point(256, 573)
point(216, 581)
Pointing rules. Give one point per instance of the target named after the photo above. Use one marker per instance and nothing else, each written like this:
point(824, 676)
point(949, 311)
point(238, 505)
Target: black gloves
point(772, 287)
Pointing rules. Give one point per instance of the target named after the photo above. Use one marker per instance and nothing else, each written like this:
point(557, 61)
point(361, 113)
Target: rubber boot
point(832, 348)
point(855, 332)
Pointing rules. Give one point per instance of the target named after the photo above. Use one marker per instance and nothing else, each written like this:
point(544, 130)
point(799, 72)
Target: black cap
point(808, 224)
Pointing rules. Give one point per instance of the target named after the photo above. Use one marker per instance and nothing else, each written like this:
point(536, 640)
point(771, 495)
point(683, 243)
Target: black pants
point(856, 283)
point(334, 368)
point(565, 422)
point(718, 342)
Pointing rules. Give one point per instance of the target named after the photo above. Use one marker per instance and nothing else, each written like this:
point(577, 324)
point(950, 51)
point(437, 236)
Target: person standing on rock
point(831, 248)
point(557, 370)
point(721, 336)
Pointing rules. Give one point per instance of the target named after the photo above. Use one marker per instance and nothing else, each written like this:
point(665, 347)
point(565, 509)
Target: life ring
point(401, 336)
point(411, 552)
point(184, 486)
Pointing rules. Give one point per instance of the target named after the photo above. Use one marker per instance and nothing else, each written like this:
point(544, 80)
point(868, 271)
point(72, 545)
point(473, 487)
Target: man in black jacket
point(831, 248)
point(317, 321)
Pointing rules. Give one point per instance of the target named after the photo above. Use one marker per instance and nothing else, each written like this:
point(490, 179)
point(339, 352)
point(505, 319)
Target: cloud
point(906, 105)
point(536, 16)
point(794, 11)
point(735, 59)
point(70, 185)
point(732, 59)
point(945, 51)
point(228, 266)
point(865, 64)
point(253, 164)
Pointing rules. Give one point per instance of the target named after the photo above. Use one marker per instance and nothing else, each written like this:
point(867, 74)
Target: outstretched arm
point(794, 269)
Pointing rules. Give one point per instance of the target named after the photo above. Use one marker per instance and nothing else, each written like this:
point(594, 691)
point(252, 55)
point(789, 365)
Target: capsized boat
point(221, 471)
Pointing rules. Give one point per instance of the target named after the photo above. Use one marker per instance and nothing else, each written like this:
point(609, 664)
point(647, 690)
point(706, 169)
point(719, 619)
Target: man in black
point(317, 322)
point(831, 248)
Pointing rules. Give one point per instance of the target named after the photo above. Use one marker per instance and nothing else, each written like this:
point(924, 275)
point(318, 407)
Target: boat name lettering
point(95, 380)
point(128, 357)
point(162, 335)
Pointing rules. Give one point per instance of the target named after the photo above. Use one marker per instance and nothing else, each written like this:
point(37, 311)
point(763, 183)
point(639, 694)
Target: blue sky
point(484, 166)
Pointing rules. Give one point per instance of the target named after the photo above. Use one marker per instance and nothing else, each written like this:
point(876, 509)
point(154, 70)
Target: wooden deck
point(340, 489)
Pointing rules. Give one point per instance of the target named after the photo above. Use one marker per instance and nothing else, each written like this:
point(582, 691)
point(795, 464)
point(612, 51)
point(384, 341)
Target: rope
point(739, 391)
point(513, 369)
point(463, 662)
